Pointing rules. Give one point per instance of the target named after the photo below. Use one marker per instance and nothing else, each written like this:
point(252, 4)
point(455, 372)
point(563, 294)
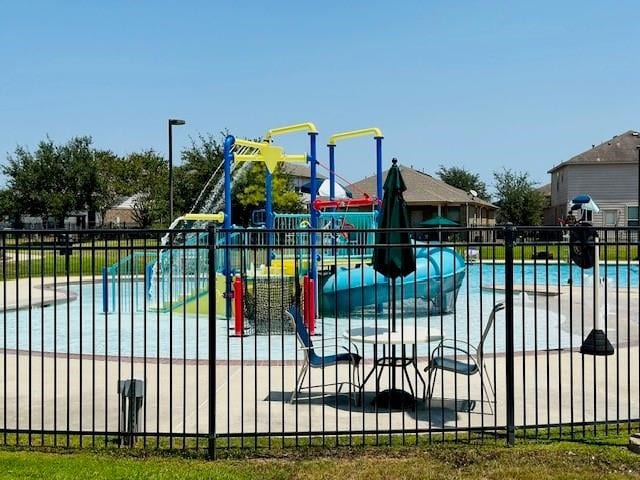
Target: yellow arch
point(298, 127)
point(376, 132)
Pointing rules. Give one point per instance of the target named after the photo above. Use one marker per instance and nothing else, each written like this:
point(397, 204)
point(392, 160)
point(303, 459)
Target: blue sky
point(478, 84)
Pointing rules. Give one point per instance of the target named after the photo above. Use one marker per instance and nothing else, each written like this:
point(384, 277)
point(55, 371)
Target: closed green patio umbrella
point(393, 257)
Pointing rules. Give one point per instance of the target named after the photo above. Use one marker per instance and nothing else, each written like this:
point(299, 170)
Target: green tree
point(146, 175)
point(464, 180)
point(199, 163)
point(112, 178)
point(83, 176)
point(56, 180)
point(144, 210)
point(519, 201)
point(8, 208)
point(40, 182)
point(249, 193)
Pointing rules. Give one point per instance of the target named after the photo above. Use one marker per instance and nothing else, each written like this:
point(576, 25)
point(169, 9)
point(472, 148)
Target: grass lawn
point(611, 253)
point(89, 258)
point(81, 261)
point(600, 459)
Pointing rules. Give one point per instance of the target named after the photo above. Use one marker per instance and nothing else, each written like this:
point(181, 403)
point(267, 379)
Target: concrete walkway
point(59, 392)
point(32, 291)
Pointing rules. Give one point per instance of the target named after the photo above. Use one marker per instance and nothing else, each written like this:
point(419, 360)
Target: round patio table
point(389, 340)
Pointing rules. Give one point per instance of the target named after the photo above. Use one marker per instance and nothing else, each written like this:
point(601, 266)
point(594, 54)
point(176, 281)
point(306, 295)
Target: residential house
point(608, 173)
point(427, 197)
point(300, 175)
point(121, 215)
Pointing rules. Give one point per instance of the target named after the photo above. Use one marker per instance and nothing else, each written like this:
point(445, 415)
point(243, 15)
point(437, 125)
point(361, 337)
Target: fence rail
point(220, 339)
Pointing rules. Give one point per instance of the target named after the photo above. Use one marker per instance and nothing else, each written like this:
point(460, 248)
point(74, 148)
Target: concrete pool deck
point(551, 386)
point(33, 291)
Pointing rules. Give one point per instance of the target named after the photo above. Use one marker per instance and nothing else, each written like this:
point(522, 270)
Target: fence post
point(211, 247)
point(509, 235)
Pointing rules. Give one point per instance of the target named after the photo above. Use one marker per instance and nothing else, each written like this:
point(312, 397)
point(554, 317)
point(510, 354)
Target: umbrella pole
point(393, 329)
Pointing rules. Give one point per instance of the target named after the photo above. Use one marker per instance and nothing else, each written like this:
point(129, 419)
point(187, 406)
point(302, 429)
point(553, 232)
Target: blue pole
point(268, 207)
point(332, 172)
point(228, 158)
point(149, 284)
point(313, 173)
point(113, 294)
point(312, 211)
point(378, 170)
point(105, 290)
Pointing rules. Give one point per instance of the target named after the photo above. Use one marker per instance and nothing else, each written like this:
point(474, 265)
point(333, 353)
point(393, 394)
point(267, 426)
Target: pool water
point(540, 274)
point(80, 326)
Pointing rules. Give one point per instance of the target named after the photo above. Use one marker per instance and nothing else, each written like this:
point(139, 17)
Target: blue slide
point(437, 279)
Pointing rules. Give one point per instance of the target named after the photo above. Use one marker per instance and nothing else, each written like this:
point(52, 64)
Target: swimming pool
point(554, 274)
point(80, 327)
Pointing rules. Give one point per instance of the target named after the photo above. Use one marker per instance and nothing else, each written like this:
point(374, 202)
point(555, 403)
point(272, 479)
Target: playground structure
point(331, 271)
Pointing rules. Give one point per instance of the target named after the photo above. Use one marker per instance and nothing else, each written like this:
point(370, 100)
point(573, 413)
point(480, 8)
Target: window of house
point(632, 216)
point(610, 218)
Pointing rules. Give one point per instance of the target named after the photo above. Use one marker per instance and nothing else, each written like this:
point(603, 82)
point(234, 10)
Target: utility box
point(131, 398)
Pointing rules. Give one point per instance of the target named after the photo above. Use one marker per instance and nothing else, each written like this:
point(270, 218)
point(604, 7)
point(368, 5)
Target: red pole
point(238, 295)
point(312, 307)
point(305, 310)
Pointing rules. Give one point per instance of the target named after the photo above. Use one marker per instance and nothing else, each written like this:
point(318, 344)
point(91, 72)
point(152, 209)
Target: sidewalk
point(47, 392)
point(27, 292)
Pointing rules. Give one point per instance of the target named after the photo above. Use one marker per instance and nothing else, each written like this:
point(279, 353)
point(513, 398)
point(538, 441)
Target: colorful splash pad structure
point(177, 280)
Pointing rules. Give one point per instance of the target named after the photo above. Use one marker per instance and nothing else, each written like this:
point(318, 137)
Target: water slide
point(438, 276)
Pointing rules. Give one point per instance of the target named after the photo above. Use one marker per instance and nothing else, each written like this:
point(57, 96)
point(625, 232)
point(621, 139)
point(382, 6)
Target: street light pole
point(172, 122)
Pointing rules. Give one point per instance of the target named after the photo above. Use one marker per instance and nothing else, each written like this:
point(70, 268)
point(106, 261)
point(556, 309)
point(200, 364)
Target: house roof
point(545, 189)
point(422, 189)
point(300, 170)
point(620, 149)
point(126, 203)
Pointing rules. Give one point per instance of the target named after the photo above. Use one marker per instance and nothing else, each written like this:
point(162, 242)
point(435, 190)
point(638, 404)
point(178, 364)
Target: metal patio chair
point(473, 254)
point(314, 361)
point(462, 358)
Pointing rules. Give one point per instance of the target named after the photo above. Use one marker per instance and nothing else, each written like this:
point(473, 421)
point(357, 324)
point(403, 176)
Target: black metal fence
point(214, 340)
